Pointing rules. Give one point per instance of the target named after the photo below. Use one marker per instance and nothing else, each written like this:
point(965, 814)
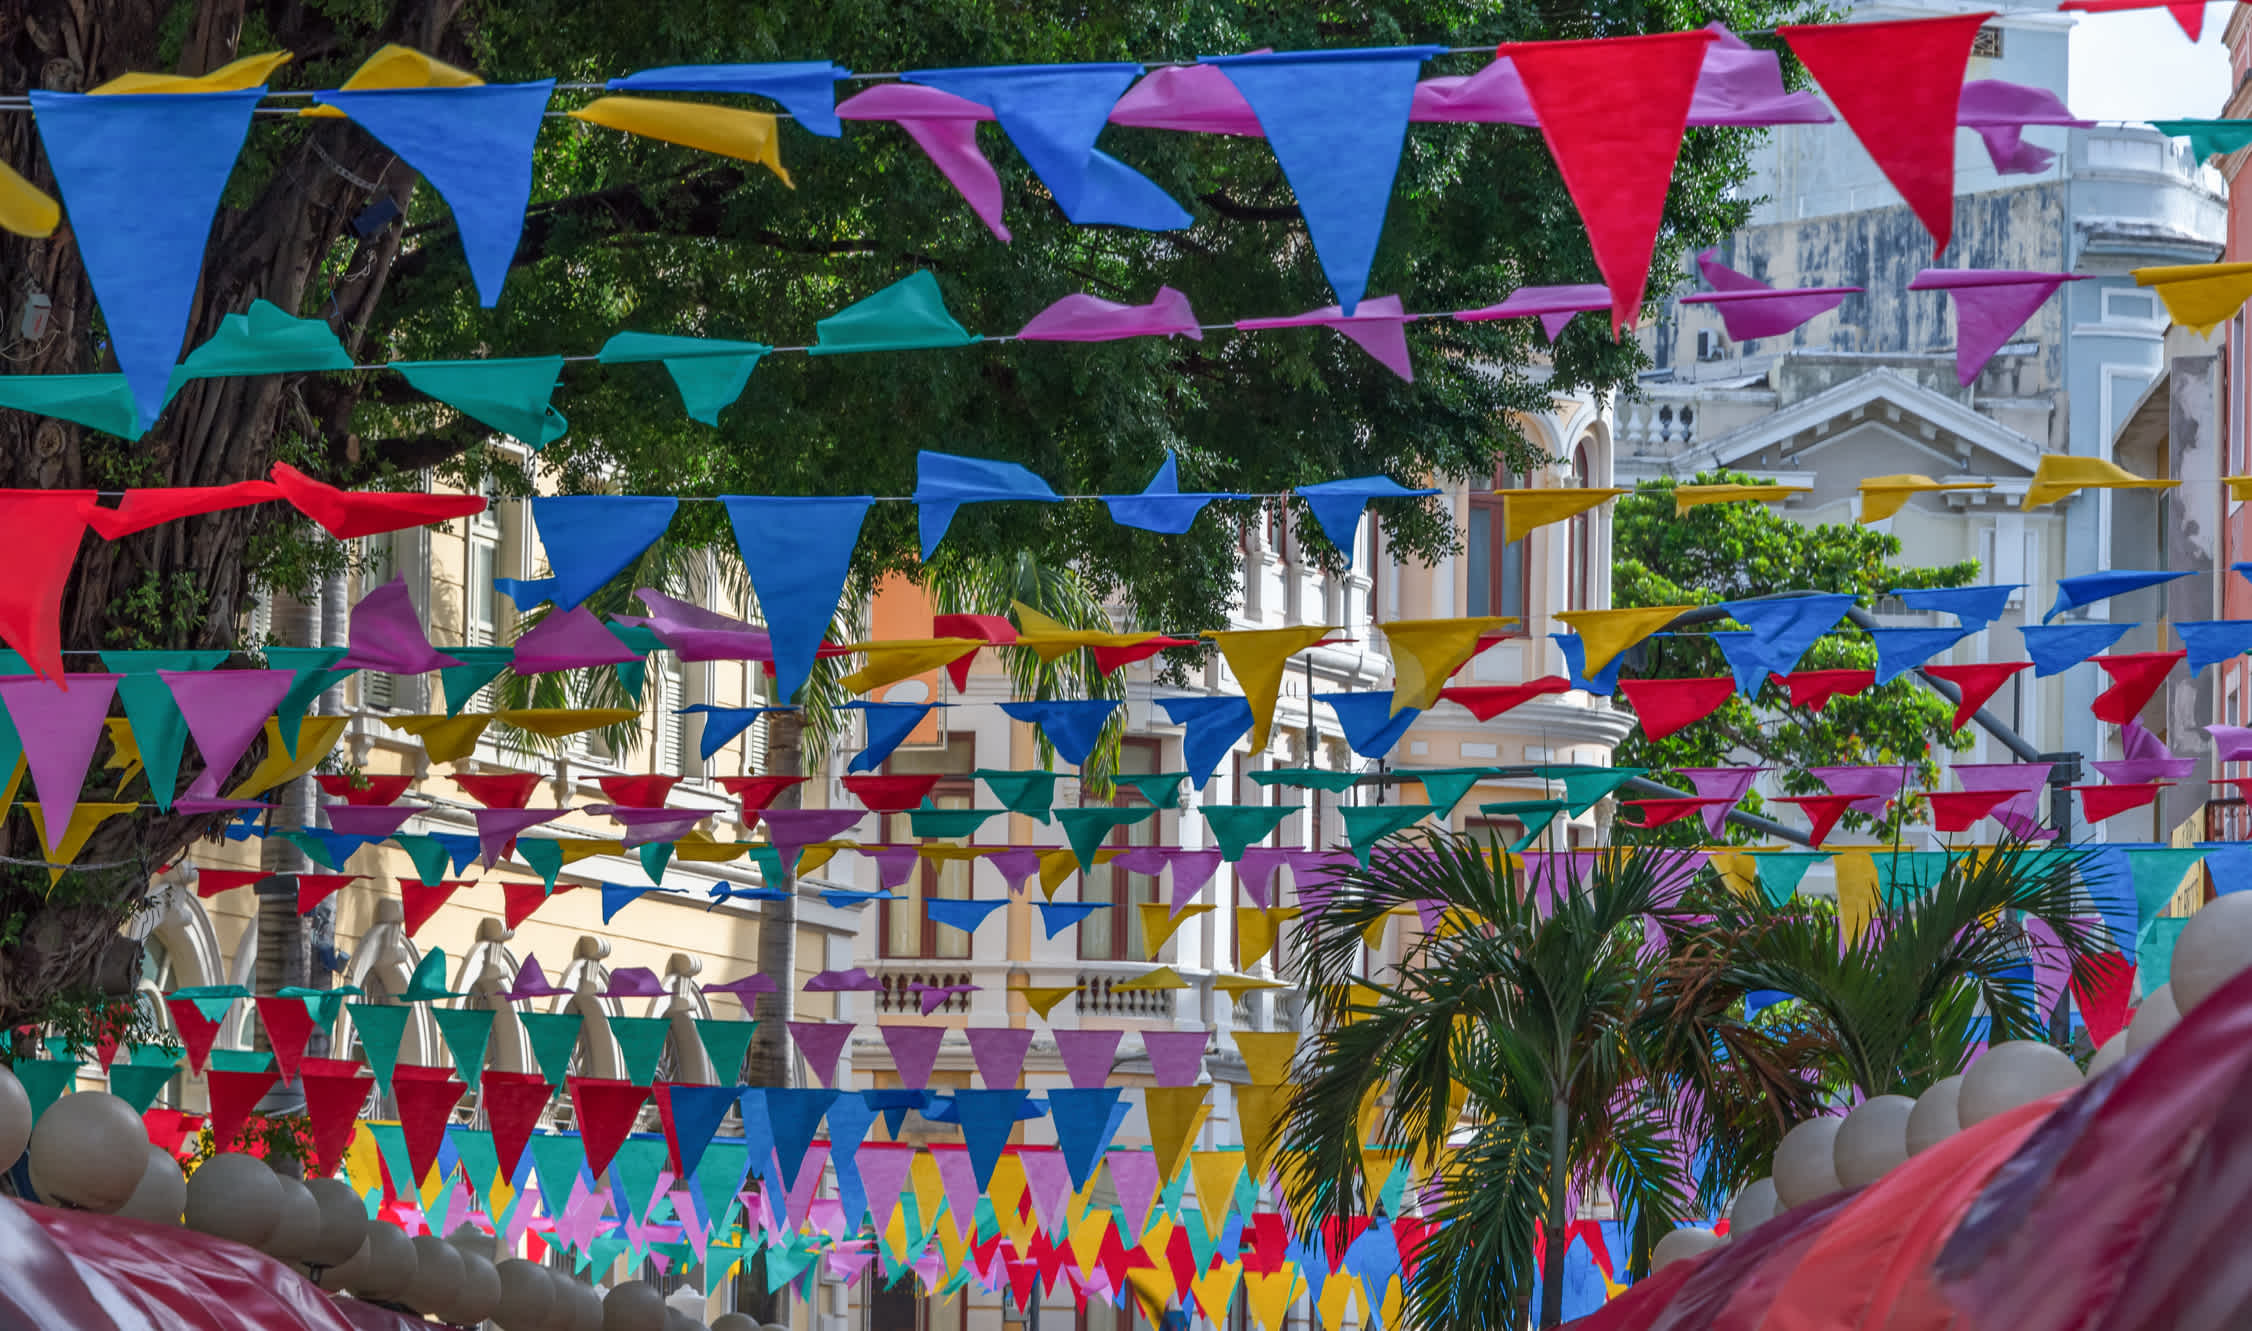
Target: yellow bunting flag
point(1738, 871)
point(1257, 928)
point(1268, 1054)
point(363, 1160)
point(1007, 1190)
point(25, 208)
point(695, 848)
point(574, 849)
point(1215, 1173)
point(446, 739)
point(953, 1243)
point(1257, 1110)
point(891, 662)
point(747, 136)
point(1050, 639)
point(2060, 475)
point(1606, 633)
point(1686, 497)
point(1175, 1113)
point(1258, 657)
point(1043, 999)
point(1376, 1171)
point(1086, 1241)
point(1153, 1288)
point(815, 857)
point(1270, 1295)
point(1427, 652)
point(1526, 511)
point(124, 751)
point(12, 786)
point(315, 738)
point(929, 1188)
point(1236, 986)
point(1058, 865)
point(895, 1230)
point(1215, 1290)
point(1334, 1305)
point(84, 818)
point(1388, 1313)
point(1160, 923)
point(2200, 295)
point(1164, 977)
point(562, 722)
point(2240, 487)
point(1882, 496)
point(1857, 891)
point(396, 66)
point(236, 76)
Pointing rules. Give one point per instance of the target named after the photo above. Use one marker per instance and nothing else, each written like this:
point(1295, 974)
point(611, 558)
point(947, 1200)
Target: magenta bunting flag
point(1087, 1055)
point(1991, 304)
point(387, 635)
point(2021, 813)
point(959, 1173)
point(1999, 111)
point(225, 710)
point(999, 1053)
point(369, 820)
point(1870, 786)
point(1048, 1178)
point(1714, 783)
point(884, 1169)
point(570, 639)
point(945, 128)
point(1176, 1058)
point(855, 980)
point(1192, 869)
point(643, 826)
point(2231, 744)
point(59, 726)
point(792, 830)
point(1750, 308)
point(697, 634)
point(1083, 318)
point(2144, 757)
point(2052, 963)
point(1015, 865)
point(800, 1200)
point(894, 864)
point(497, 829)
point(1256, 871)
point(914, 1051)
point(1134, 1174)
point(1376, 326)
point(1738, 85)
point(1188, 99)
point(820, 1042)
point(1553, 306)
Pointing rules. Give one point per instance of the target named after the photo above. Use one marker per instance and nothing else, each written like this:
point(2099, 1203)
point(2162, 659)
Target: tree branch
point(1248, 212)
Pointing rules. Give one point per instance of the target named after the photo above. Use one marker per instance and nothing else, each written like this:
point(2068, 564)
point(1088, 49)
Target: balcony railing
point(900, 996)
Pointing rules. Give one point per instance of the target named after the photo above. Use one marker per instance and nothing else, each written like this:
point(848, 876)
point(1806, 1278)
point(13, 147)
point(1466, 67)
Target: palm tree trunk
point(770, 1063)
point(1559, 1179)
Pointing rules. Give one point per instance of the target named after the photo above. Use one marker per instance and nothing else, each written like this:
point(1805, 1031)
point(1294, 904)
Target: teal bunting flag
point(2208, 137)
point(381, 1026)
point(2158, 875)
point(908, 315)
point(709, 372)
point(946, 823)
point(1087, 829)
point(1161, 789)
point(655, 855)
point(1365, 825)
point(1445, 787)
point(265, 340)
point(479, 666)
point(1235, 827)
point(1779, 873)
point(97, 401)
point(510, 394)
point(1028, 793)
point(1903, 877)
point(558, 1160)
point(139, 1085)
point(428, 854)
point(641, 1043)
point(467, 1032)
point(554, 1038)
point(633, 1173)
point(160, 732)
point(44, 1081)
point(1535, 815)
point(544, 855)
point(316, 675)
point(2154, 965)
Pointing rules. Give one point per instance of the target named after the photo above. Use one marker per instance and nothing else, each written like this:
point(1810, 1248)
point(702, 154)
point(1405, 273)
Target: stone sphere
point(437, 1275)
point(2107, 1055)
point(1754, 1206)
point(2153, 1019)
point(346, 1274)
point(300, 1229)
point(234, 1196)
point(391, 1263)
point(1871, 1140)
point(1933, 1120)
point(676, 1320)
point(1680, 1245)
point(529, 1301)
point(344, 1222)
point(733, 1322)
point(477, 1295)
point(163, 1191)
point(15, 1119)
point(89, 1152)
point(1806, 1162)
point(633, 1306)
point(2013, 1073)
point(2215, 946)
point(587, 1310)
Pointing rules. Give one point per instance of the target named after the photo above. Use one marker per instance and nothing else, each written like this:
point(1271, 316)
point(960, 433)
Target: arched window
point(1497, 567)
point(1582, 585)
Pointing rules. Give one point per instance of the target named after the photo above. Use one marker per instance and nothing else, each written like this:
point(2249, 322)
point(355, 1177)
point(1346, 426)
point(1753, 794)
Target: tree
point(631, 233)
point(1544, 1025)
point(1723, 552)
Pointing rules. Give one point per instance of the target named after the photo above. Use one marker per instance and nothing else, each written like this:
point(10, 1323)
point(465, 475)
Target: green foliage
point(1721, 552)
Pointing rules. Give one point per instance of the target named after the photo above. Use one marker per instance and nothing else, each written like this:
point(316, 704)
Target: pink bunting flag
point(1016, 864)
point(745, 990)
point(884, 1169)
point(1377, 326)
point(894, 864)
point(800, 1198)
point(1718, 783)
point(1750, 308)
point(370, 820)
point(1189, 99)
point(820, 1042)
point(1146, 860)
point(387, 635)
point(1134, 1175)
point(1176, 1058)
point(225, 710)
point(497, 829)
point(646, 825)
point(792, 830)
point(1991, 304)
point(696, 634)
point(959, 1174)
point(848, 1260)
point(2144, 758)
point(2231, 744)
point(699, 1234)
point(827, 1216)
point(2021, 813)
point(1256, 871)
point(1553, 306)
point(572, 639)
point(1087, 1055)
point(853, 981)
point(999, 1053)
point(1192, 869)
point(60, 724)
point(945, 128)
point(1048, 1179)
point(932, 997)
point(1737, 84)
point(914, 1052)
point(1998, 111)
point(634, 982)
point(1084, 318)
point(1870, 786)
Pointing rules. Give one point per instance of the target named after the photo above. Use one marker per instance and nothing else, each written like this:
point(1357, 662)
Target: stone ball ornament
point(2214, 948)
point(1872, 1140)
point(1934, 1118)
point(391, 1264)
point(15, 1119)
point(633, 1306)
point(733, 1322)
point(344, 1222)
point(2107, 1055)
point(299, 1230)
point(162, 1193)
point(1680, 1245)
point(2154, 1017)
point(1753, 1207)
point(234, 1196)
point(89, 1152)
point(528, 1299)
point(2012, 1074)
point(477, 1294)
point(437, 1275)
point(1805, 1164)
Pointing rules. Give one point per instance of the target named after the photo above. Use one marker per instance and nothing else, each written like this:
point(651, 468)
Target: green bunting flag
point(2154, 964)
point(381, 1027)
point(45, 1080)
point(641, 1043)
point(555, 1038)
point(727, 1043)
point(1087, 829)
point(160, 732)
point(480, 1163)
point(655, 855)
point(322, 1005)
point(391, 1148)
point(635, 1168)
point(266, 340)
point(1905, 876)
point(1586, 787)
point(947, 823)
point(557, 1161)
point(509, 394)
point(2158, 875)
point(544, 855)
point(428, 983)
point(316, 675)
point(428, 854)
point(1445, 787)
point(1536, 815)
point(1366, 825)
point(467, 1032)
point(138, 1084)
point(1779, 873)
point(1161, 789)
point(909, 314)
point(97, 401)
point(710, 373)
point(479, 666)
point(1236, 826)
point(1308, 778)
point(1028, 793)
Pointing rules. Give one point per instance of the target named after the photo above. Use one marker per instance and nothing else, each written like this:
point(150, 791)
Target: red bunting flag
point(2103, 985)
point(606, 1111)
point(1898, 84)
point(140, 510)
point(315, 888)
point(2190, 16)
point(170, 1129)
point(358, 788)
point(521, 899)
point(888, 793)
point(1978, 683)
point(1659, 812)
point(1960, 810)
point(335, 1092)
point(420, 901)
point(499, 790)
point(2101, 802)
point(288, 1026)
point(1616, 166)
point(2134, 678)
point(757, 792)
point(44, 530)
point(1812, 689)
point(1109, 660)
point(425, 1104)
point(513, 1102)
point(233, 1095)
point(1666, 705)
point(647, 791)
point(1822, 811)
point(1487, 701)
point(197, 1032)
point(211, 882)
point(347, 514)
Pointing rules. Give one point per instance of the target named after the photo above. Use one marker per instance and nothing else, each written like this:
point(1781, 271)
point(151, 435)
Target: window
point(1497, 567)
point(1116, 934)
point(1582, 540)
point(479, 598)
point(1986, 43)
point(908, 930)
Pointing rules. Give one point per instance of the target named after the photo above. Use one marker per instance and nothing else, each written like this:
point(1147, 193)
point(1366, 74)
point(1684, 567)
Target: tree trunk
point(770, 1062)
point(1559, 1182)
point(183, 585)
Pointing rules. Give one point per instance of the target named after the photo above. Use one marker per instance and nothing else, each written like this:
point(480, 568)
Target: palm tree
point(1540, 1041)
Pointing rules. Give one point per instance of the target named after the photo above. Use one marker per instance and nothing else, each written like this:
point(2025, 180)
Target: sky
point(2136, 65)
